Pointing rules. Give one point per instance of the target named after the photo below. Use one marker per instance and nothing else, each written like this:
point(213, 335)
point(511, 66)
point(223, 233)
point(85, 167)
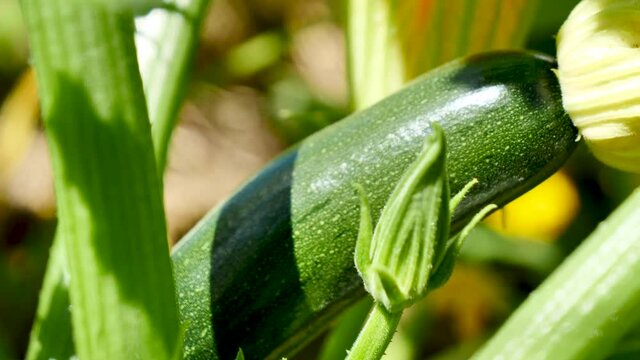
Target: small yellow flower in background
point(543, 213)
point(598, 62)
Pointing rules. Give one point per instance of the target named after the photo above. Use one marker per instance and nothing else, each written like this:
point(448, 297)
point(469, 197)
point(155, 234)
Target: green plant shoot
point(410, 251)
point(395, 261)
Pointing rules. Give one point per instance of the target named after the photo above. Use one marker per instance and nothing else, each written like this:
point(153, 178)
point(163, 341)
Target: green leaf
point(486, 246)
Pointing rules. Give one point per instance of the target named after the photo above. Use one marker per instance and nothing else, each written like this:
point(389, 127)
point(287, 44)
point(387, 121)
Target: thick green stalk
point(167, 39)
point(376, 334)
point(586, 305)
point(108, 193)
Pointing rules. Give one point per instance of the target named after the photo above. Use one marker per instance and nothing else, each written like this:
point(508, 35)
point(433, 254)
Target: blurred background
point(267, 74)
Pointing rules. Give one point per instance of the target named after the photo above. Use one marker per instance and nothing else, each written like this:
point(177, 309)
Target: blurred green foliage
point(13, 43)
point(24, 247)
point(12, 37)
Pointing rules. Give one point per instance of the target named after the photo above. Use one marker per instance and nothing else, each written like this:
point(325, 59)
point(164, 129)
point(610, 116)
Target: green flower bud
point(410, 251)
point(598, 62)
point(395, 262)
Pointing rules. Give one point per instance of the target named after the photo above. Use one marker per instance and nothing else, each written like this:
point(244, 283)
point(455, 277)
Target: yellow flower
point(543, 213)
point(598, 62)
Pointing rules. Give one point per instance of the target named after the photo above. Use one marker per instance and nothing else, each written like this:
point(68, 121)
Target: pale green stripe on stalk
point(111, 218)
point(586, 305)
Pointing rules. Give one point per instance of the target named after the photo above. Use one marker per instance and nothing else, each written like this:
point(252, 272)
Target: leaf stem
point(587, 304)
point(166, 46)
point(111, 219)
point(375, 335)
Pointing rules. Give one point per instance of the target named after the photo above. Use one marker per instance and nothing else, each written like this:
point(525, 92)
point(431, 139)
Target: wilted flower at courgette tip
point(599, 74)
point(410, 249)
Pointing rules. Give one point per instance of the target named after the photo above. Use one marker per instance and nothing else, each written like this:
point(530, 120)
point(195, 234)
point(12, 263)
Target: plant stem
point(586, 305)
point(345, 332)
point(111, 218)
point(169, 42)
point(166, 40)
point(375, 335)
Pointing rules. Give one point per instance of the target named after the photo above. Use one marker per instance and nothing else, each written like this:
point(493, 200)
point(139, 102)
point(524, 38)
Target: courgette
point(270, 268)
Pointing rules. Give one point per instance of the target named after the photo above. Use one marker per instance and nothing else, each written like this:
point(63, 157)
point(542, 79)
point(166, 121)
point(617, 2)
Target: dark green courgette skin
point(269, 269)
